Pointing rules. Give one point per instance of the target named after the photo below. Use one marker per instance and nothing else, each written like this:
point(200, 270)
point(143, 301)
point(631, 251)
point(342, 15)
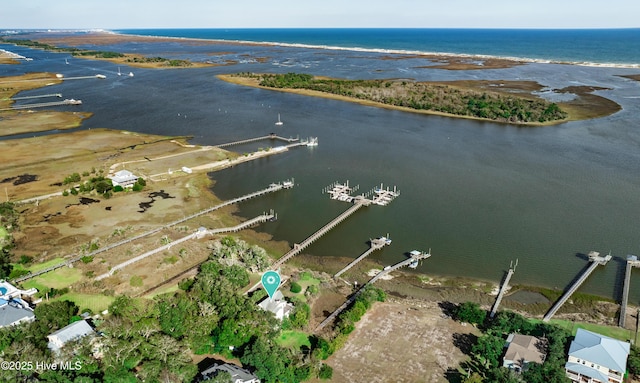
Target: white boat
point(279, 122)
point(130, 74)
point(101, 76)
point(413, 264)
point(66, 61)
point(119, 73)
point(313, 141)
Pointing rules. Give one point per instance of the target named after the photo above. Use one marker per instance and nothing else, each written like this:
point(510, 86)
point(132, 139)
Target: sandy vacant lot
point(400, 341)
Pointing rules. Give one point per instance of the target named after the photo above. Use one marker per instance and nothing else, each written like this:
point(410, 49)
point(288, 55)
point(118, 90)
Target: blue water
point(594, 46)
point(479, 194)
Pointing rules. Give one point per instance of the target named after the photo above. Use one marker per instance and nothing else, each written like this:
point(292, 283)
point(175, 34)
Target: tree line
point(424, 96)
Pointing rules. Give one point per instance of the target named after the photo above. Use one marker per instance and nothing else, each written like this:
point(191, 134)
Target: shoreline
point(585, 106)
point(111, 37)
point(424, 54)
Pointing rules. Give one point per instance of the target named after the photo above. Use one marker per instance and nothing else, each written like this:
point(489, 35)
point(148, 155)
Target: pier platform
point(375, 244)
point(596, 260)
point(414, 256)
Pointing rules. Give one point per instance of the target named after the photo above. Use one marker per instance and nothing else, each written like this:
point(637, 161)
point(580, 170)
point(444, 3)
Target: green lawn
point(44, 265)
point(610, 331)
point(57, 279)
point(3, 232)
point(293, 339)
point(96, 303)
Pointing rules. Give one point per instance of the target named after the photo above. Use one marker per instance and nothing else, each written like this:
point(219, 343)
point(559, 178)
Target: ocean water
point(583, 46)
point(479, 194)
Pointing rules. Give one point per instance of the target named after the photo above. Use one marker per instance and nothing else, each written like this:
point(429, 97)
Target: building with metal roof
point(74, 331)
point(596, 358)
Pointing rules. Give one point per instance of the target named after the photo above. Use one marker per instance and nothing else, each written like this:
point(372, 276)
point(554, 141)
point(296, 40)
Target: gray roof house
point(522, 350)
point(238, 375)
point(596, 358)
point(14, 311)
point(74, 331)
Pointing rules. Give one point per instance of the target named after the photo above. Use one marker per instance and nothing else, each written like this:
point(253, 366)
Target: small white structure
point(124, 178)
point(74, 331)
point(277, 305)
point(596, 358)
point(187, 170)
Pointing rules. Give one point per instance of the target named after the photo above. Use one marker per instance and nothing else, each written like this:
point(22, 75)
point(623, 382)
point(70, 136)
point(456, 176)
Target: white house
point(595, 358)
point(522, 350)
point(74, 331)
point(124, 178)
point(13, 310)
point(277, 305)
point(238, 375)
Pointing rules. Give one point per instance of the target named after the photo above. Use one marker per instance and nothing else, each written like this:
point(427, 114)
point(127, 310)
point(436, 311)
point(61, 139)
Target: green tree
point(470, 312)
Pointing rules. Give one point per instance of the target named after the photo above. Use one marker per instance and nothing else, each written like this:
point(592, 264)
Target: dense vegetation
point(8, 223)
point(423, 96)
point(152, 340)
point(161, 60)
point(487, 352)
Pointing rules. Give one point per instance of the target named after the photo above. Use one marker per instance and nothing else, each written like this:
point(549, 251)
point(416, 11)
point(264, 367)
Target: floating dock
point(632, 261)
point(595, 259)
point(503, 289)
point(375, 244)
point(414, 256)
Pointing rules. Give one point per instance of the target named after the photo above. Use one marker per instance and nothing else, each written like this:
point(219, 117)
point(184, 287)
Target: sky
point(132, 14)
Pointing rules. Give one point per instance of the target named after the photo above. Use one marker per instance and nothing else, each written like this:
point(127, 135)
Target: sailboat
point(66, 61)
point(119, 73)
point(279, 122)
point(130, 74)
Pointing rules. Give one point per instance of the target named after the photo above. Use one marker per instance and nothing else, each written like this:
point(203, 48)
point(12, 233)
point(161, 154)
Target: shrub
point(326, 372)
point(295, 287)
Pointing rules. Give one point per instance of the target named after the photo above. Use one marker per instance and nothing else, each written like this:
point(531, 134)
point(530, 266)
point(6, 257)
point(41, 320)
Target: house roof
point(237, 373)
point(587, 371)
point(12, 312)
point(525, 348)
point(600, 349)
point(73, 331)
point(277, 305)
point(123, 175)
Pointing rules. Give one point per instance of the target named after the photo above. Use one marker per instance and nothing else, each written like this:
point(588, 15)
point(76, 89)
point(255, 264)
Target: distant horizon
point(467, 14)
point(44, 29)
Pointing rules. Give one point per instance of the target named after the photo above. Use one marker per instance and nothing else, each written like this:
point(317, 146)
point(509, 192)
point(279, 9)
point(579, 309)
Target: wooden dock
point(375, 244)
point(261, 138)
point(197, 234)
point(76, 257)
point(632, 261)
point(385, 271)
point(298, 247)
point(503, 289)
point(595, 259)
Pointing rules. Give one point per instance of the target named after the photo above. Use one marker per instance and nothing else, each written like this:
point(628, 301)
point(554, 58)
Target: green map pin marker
point(271, 282)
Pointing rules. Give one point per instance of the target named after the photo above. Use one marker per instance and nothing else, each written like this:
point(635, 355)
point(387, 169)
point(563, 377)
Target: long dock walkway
point(261, 138)
point(503, 289)
point(43, 105)
point(272, 188)
point(197, 234)
point(632, 261)
point(375, 244)
point(595, 259)
point(382, 273)
point(298, 247)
